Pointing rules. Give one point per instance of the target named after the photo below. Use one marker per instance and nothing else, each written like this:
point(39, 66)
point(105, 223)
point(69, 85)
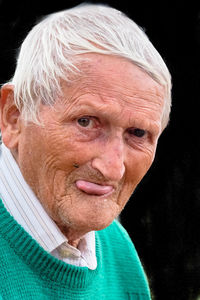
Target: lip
point(92, 188)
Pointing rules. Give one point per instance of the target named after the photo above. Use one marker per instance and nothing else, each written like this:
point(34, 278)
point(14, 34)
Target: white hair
point(51, 51)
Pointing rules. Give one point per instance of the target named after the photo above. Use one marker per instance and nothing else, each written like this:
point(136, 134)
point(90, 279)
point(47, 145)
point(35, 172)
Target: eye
point(88, 122)
point(84, 121)
point(137, 132)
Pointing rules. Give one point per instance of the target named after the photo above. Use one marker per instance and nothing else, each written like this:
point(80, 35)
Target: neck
point(73, 237)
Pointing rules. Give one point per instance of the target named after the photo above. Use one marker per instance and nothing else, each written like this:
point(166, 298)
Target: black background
point(163, 215)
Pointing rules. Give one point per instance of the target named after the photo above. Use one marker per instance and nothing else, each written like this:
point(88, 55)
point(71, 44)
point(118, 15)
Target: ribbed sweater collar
point(41, 261)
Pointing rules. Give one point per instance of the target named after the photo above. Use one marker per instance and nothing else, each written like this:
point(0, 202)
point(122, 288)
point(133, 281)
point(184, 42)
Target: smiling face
point(96, 144)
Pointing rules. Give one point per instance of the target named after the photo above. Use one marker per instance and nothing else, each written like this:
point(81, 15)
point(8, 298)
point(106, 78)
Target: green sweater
point(29, 272)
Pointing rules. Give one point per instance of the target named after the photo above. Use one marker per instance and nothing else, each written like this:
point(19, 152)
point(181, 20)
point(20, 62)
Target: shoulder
point(117, 246)
point(116, 234)
point(118, 251)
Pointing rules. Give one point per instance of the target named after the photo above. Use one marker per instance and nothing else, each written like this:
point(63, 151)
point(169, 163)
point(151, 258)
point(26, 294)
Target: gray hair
point(51, 51)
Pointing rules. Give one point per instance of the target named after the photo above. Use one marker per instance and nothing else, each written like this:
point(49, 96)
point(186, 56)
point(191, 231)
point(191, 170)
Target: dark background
point(163, 215)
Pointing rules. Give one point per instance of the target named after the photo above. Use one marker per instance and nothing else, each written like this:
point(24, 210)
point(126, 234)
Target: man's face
point(96, 144)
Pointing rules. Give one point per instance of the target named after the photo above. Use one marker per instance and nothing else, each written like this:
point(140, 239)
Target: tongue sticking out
point(93, 188)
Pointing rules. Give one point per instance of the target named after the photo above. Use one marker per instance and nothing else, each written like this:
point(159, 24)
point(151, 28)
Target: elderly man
point(80, 122)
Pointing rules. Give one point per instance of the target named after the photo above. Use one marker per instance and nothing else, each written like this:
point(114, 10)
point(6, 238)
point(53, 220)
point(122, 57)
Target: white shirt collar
point(27, 210)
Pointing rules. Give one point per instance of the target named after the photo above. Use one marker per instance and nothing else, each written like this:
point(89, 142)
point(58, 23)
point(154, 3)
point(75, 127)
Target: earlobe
point(9, 117)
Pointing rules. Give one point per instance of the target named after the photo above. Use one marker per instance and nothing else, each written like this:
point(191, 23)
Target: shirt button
point(68, 251)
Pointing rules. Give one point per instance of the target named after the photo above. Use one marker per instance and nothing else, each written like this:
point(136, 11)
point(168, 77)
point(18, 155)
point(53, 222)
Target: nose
point(110, 160)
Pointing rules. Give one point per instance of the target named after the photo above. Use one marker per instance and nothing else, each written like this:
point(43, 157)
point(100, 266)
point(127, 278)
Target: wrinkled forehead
point(114, 86)
point(112, 75)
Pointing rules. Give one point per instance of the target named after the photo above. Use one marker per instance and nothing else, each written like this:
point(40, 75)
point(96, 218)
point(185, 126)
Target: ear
point(9, 117)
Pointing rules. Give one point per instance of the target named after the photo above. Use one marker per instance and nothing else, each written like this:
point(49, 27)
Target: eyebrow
point(99, 106)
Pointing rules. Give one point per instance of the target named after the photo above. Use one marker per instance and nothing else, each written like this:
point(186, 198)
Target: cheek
point(71, 153)
point(138, 167)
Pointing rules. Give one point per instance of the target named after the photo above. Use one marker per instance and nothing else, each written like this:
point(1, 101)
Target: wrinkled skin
point(103, 130)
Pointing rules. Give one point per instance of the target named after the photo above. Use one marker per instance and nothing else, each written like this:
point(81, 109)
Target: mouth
point(94, 189)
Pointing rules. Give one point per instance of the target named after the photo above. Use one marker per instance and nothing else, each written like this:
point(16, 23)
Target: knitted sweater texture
point(29, 272)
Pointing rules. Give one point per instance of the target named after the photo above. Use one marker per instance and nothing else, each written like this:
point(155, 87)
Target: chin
point(101, 223)
point(83, 222)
